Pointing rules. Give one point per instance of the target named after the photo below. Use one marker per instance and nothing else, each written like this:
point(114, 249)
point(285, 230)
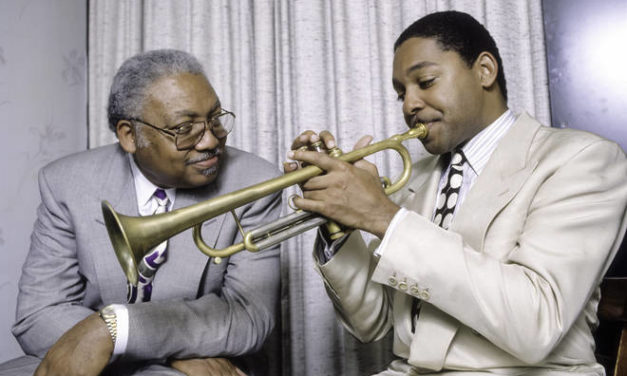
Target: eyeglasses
point(189, 133)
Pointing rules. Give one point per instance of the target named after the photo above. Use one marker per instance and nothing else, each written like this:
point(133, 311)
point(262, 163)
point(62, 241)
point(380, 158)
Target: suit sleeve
point(363, 306)
point(51, 287)
point(233, 321)
point(572, 229)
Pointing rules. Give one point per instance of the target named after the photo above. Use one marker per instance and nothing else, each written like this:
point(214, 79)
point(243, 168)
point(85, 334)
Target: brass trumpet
point(133, 237)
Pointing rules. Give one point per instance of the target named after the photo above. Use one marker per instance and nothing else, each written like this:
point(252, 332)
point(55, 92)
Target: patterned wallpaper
point(43, 102)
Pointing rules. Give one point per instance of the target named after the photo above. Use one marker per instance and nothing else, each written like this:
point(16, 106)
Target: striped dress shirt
point(477, 151)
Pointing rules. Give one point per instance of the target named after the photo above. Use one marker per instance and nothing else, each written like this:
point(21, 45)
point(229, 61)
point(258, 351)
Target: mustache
point(203, 156)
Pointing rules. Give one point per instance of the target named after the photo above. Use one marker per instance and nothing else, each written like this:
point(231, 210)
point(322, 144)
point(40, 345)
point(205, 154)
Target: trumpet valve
point(335, 152)
point(318, 146)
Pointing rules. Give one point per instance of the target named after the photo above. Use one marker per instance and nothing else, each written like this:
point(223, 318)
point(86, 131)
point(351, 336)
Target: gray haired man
point(76, 312)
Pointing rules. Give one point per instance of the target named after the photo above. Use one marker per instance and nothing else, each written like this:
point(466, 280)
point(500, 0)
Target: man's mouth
point(427, 122)
point(205, 160)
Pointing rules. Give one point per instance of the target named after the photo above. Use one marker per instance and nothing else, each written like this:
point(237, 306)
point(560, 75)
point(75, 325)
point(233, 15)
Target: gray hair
point(128, 90)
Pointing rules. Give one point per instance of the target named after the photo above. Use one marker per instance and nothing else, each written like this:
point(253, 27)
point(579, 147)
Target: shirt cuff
point(398, 217)
point(122, 322)
point(326, 248)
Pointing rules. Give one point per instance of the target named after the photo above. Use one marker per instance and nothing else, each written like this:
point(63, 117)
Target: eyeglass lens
point(220, 126)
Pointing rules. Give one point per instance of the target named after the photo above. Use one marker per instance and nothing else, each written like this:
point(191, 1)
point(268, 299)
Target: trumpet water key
point(133, 237)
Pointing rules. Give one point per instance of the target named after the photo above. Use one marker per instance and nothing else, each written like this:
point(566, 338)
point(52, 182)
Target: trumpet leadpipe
point(134, 237)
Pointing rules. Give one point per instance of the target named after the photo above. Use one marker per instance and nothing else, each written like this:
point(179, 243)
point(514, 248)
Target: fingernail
point(331, 144)
point(315, 138)
point(290, 154)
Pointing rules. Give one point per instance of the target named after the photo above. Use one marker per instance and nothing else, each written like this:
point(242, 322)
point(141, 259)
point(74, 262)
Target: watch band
point(107, 314)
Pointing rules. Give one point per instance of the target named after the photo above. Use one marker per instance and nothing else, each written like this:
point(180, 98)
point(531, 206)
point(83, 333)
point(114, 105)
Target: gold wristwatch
point(107, 314)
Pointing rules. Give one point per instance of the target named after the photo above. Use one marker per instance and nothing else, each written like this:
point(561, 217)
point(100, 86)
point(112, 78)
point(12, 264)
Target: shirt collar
point(144, 188)
point(479, 148)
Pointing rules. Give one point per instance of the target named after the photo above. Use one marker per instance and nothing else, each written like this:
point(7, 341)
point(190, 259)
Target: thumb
point(364, 141)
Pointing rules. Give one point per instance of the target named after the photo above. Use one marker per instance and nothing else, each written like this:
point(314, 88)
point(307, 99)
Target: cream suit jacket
point(512, 286)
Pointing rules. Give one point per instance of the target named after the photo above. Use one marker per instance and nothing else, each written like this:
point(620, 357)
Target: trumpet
point(133, 237)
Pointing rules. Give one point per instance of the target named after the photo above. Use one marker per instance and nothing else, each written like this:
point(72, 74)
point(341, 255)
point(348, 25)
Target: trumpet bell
point(121, 244)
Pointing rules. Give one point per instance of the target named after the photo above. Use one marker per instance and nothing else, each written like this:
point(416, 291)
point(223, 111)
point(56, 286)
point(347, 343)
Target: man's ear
point(487, 68)
point(126, 135)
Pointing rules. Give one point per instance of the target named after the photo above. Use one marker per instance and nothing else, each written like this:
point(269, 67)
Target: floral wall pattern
point(43, 101)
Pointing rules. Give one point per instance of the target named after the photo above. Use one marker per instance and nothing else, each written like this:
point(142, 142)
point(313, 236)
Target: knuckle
point(343, 167)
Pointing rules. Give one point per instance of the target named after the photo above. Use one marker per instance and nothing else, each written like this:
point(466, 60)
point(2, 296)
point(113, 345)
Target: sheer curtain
point(284, 66)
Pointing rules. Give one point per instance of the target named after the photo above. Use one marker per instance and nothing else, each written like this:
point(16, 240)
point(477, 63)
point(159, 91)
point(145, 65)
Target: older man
point(186, 314)
point(491, 257)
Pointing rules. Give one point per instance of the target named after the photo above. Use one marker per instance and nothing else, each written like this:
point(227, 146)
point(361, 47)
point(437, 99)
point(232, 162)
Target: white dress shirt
point(477, 151)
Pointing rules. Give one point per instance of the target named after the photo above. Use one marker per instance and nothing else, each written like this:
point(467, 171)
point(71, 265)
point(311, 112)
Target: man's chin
point(199, 179)
point(207, 176)
point(210, 172)
point(431, 148)
point(435, 148)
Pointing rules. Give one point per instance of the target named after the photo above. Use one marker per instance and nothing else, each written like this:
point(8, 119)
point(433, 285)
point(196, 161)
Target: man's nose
point(412, 103)
point(208, 141)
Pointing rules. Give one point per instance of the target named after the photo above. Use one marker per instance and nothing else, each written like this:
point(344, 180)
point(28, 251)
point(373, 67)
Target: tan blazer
point(513, 285)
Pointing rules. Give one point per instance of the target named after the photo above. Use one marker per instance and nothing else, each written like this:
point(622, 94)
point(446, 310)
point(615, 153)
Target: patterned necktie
point(152, 260)
point(447, 200)
point(445, 209)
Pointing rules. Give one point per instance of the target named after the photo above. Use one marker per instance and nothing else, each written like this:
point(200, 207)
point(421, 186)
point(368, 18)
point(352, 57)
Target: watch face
point(107, 314)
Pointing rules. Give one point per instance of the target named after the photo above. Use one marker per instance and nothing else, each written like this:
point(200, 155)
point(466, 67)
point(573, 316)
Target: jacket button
point(402, 286)
point(392, 281)
point(424, 295)
point(414, 290)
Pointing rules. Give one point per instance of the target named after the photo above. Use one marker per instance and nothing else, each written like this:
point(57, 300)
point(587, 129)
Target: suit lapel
point(119, 191)
point(183, 254)
point(421, 192)
point(502, 177)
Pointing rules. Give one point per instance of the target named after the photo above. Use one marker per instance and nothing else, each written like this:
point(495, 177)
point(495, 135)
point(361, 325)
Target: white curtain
point(284, 66)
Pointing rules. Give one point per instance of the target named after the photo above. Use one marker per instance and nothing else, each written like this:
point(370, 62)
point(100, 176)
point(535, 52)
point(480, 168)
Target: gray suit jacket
point(198, 308)
point(512, 287)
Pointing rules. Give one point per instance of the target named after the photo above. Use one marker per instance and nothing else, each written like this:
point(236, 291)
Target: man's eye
point(400, 97)
point(183, 128)
point(425, 84)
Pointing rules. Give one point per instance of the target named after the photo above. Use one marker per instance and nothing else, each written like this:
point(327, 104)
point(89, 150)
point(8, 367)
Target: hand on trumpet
point(350, 194)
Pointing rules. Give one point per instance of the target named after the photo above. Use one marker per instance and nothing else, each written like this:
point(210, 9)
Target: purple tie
point(152, 260)
point(160, 194)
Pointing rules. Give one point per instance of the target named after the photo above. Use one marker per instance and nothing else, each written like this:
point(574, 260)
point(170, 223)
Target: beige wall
point(43, 101)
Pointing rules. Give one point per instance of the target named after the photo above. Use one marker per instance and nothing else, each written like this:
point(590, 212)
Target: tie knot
point(160, 194)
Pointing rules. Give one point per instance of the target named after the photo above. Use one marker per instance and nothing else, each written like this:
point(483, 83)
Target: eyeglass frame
point(206, 122)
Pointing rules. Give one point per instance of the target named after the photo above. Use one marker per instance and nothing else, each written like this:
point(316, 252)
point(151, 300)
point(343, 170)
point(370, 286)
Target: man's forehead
point(419, 53)
point(189, 112)
point(418, 46)
point(180, 95)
